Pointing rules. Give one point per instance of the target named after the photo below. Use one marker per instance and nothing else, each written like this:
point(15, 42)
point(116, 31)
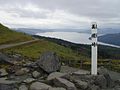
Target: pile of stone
point(44, 74)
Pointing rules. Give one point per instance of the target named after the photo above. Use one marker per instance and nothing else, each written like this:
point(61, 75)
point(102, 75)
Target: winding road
point(4, 46)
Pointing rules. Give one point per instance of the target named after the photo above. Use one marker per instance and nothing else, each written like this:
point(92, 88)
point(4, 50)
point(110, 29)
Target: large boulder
point(49, 62)
point(39, 86)
point(60, 82)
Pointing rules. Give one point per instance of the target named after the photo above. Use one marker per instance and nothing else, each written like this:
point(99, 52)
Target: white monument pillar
point(94, 49)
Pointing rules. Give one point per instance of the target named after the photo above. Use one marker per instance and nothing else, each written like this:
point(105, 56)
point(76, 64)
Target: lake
point(68, 36)
point(75, 37)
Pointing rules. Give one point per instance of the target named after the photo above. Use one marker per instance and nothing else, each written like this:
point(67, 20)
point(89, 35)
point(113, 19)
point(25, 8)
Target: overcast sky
point(59, 13)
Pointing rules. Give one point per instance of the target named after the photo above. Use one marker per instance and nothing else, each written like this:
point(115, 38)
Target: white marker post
point(94, 49)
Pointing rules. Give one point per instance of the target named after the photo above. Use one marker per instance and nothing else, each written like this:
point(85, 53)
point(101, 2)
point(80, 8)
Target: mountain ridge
point(110, 39)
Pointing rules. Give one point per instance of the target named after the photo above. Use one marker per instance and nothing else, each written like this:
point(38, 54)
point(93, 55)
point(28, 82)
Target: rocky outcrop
point(43, 74)
point(49, 62)
point(57, 81)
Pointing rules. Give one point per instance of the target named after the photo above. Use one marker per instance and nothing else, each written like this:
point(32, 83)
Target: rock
point(104, 71)
point(117, 88)
point(59, 82)
point(23, 87)
point(29, 80)
point(22, 71)
point(101, 81)
point(15, 89)
point(94, 87)
point(68, 69)
point(17, 56)
point(31, 65)
point(81, 72)
point(49, 62)
point(81, 84)
point(3, 72)
point(7, 84)
point(58, 88)
point(117, 82)
point(6, 87)
point(5, 59)
point(12, 69)
point(39, 86)
point(55, 75)
point(35, 74)
point(110, 83)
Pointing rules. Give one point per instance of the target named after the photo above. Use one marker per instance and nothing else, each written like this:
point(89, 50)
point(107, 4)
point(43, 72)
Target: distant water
point(68, 36)
point(75, 37)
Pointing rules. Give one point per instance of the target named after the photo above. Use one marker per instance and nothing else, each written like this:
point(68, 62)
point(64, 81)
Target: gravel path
point(16, 44)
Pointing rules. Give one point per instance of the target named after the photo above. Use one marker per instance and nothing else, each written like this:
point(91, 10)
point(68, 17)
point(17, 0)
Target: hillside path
point(4, 46)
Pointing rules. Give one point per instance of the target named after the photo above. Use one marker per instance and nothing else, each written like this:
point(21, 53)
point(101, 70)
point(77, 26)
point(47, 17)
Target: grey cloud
point(99, 10)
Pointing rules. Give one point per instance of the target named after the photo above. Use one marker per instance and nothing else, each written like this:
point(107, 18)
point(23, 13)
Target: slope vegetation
point(8, 36)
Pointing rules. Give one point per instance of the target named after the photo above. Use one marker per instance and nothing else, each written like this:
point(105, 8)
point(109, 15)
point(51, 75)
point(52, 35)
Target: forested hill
point(110, 39)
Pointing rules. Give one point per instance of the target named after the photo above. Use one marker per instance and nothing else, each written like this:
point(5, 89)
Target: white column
point(94, 49)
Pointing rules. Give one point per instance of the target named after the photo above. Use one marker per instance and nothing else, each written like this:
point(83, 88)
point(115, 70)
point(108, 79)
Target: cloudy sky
point(59, 13)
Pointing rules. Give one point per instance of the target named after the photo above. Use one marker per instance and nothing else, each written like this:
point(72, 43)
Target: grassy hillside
point(34, 50)
point(70, 53)
point(8, 36)
point(67, 55)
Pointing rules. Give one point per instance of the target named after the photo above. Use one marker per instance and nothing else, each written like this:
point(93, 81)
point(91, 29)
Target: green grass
point(8, 36)
point(34, 50)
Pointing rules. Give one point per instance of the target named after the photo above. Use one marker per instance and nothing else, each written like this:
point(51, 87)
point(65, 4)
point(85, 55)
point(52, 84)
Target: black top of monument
point(94, 25)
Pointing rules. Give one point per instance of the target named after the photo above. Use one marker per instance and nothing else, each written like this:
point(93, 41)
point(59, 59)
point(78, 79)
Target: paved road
point(17, 44)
